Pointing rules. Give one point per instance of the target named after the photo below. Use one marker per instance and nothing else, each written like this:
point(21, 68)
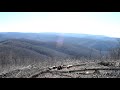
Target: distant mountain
point(24, 51)
point(92, 41)
point(24, 48)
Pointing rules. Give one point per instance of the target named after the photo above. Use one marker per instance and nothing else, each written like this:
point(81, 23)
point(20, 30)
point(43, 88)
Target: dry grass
point(68, 68)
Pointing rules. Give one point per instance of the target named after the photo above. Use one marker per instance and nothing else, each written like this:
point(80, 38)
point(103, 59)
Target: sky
point(97, 23)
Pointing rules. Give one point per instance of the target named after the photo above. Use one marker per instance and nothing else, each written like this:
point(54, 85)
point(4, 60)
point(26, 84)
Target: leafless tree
point(115, 52)
point(100, 53)
point(90, 53)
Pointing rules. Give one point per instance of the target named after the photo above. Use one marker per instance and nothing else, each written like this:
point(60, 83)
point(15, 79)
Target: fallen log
point(88, 69)
point(69, 66)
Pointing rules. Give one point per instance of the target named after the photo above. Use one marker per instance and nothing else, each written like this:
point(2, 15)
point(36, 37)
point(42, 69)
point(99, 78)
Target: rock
point(97, 72)
point(87, 72)
point(68, 66)
point(59, 67)
point(106, 63)
point(117, 64)
point(54, 67)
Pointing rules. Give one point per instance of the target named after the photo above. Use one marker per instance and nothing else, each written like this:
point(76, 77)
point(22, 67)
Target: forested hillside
point(29, 48)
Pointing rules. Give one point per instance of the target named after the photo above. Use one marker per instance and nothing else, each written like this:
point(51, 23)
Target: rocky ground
point(97, 69)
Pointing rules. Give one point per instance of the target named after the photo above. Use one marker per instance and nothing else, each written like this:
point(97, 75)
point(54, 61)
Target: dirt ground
point(97, 69)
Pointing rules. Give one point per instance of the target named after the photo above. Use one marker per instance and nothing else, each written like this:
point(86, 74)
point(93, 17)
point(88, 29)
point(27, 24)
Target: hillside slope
point(27, 48)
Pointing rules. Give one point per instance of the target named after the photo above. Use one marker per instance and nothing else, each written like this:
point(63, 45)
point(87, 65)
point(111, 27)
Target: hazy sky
point(100, 23)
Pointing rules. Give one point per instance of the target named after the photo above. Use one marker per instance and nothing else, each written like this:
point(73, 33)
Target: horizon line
point(64, 33)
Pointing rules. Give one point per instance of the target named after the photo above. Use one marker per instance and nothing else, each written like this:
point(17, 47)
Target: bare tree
point(115, 52)
point(100, 53)
point(90, 55)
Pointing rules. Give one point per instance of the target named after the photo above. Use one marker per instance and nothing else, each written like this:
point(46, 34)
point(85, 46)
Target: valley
point(47, 49)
